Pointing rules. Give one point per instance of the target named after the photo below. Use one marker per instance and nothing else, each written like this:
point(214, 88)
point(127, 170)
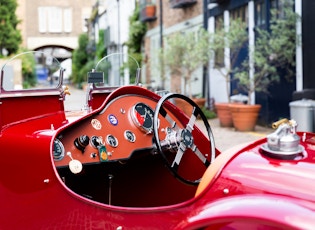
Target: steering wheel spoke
point(171, 121)
point(180, 152)
point(192, 120)
point(202, 157)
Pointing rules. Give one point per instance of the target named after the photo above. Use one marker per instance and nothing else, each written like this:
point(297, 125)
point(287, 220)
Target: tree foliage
point(273, 54)
point(234, 37)
point(100, 46)
point(82, 60)
point(28, 69)
point(184, 53)
point(137, 30)
point(10, 37)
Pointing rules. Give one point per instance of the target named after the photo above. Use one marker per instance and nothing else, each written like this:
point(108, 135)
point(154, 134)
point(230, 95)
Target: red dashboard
point(113, 134)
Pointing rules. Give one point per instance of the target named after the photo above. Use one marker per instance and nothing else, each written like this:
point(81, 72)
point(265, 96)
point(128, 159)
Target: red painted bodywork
point(245, 188)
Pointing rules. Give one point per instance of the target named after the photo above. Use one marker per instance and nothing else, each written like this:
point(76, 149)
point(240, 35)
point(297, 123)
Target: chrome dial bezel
point(111, 140)
point(147, 113)
point(62, 150)
point(130, 136)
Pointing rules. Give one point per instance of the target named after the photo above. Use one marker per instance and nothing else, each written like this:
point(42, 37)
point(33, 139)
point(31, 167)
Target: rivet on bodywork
point(226, 191)
point(46, 181)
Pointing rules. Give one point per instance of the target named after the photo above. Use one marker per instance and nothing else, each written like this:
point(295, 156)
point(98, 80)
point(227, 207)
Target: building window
point(240, 13)
point(54, 20)
point(42, 19)
point(276, 5)
point(260, 14)
point(67, 22)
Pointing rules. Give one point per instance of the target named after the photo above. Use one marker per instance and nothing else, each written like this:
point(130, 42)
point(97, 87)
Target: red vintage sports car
point(131, 159)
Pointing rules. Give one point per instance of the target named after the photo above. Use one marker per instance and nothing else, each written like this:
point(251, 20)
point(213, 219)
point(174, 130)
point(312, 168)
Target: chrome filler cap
point(284, 143)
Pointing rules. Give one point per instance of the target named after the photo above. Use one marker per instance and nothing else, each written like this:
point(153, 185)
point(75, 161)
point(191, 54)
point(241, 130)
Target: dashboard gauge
point(96, 141)
point(58, 150)
point(130, 136)
point(112, 141)
point(142, 116)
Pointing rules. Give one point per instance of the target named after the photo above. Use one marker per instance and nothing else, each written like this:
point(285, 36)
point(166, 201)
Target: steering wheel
point(180, 140)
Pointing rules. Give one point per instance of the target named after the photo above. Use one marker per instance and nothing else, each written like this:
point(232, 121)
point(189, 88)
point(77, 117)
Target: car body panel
point(245, 187)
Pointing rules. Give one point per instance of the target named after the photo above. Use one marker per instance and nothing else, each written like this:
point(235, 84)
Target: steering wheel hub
point(188, 139)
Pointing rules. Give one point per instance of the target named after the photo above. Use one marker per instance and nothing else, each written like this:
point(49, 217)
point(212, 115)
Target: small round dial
point(130, 136)
point(58, 150)
point(142, 116)
point(112, 141)
point(96, 141)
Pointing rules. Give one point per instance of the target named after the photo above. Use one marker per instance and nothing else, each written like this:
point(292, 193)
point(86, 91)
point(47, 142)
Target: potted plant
point(226, 43)
point(182, 55)
point(274, 51)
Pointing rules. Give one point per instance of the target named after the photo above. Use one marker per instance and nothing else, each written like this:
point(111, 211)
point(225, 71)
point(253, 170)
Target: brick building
point(193, 14)
point(52, 23)
point(170, 17)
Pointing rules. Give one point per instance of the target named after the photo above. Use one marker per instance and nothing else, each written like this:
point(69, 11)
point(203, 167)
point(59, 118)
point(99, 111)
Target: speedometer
point(142, 116)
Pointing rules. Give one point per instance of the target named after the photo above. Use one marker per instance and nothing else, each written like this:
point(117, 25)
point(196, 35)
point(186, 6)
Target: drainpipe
point(251, 35)
point(161, 43)
point(161, 24)
point(206, 77)
point(118, 34)
point(299, 52)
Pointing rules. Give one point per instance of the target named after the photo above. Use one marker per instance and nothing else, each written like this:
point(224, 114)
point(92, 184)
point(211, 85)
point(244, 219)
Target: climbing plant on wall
point(137, 30)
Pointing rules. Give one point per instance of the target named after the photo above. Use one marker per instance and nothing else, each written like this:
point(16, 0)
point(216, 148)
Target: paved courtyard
point(227, 137)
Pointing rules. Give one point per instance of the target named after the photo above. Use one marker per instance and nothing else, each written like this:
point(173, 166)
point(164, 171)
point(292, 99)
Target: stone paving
point(227, 137)
point(76, 100)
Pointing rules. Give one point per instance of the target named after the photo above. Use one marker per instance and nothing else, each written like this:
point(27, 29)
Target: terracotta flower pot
point(200, 101)
point(186, 107)
point(150, 11)
point(224, 114)
point(244, 116)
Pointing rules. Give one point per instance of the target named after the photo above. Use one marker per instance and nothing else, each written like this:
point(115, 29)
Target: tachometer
point(142, 116)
